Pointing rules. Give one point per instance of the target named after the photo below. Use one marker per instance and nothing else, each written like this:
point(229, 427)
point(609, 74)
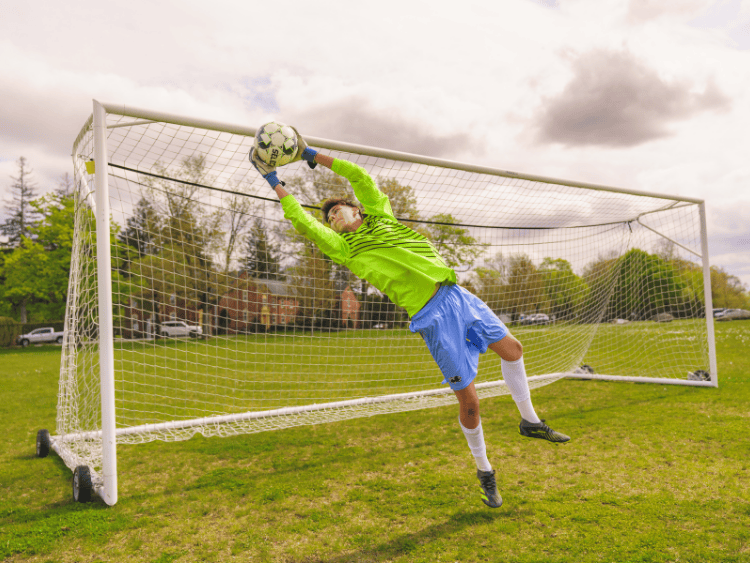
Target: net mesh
point(220, 309)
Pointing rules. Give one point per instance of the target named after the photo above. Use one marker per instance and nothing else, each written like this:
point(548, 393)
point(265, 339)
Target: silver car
point(171, 329)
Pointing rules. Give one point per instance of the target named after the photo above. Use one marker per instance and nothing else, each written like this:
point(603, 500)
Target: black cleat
point(490, 496)
point(541, 430)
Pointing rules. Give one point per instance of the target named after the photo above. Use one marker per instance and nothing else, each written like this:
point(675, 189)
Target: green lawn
point(653, 473)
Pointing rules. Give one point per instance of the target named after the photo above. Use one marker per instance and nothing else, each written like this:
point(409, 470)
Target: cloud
point(640, 11)
point(729, 237)
point(617, 100)
point(555, 4)
point(355, 120)
point(730, 17)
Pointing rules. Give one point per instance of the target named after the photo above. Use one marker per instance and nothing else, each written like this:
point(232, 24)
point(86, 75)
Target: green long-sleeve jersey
point(397, 260)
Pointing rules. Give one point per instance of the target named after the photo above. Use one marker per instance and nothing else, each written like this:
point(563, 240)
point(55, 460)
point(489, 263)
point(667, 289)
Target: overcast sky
point(644, 94)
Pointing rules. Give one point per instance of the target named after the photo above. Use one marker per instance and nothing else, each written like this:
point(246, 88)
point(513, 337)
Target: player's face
point(344, 218)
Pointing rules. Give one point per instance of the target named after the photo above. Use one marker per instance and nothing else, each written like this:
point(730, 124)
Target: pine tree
point(261, 255)
point(22, 215)
point(142, 229)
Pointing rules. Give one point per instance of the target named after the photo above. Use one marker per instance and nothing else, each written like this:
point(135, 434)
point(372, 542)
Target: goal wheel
point(43, 443)
point(82, 487)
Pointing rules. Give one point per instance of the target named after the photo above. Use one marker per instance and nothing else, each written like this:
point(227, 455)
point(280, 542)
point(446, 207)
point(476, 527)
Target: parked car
point(719, 312)
point(734, 315)
point(534, 319)
point(171, 329)
point(40, 335)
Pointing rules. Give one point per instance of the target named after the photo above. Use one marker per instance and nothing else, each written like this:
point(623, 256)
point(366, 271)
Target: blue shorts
point(457, 326)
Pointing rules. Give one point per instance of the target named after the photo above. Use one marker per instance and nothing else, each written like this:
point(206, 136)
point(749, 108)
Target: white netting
point(198, 239)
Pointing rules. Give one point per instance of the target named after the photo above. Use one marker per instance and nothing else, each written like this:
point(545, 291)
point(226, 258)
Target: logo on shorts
point(455, 379)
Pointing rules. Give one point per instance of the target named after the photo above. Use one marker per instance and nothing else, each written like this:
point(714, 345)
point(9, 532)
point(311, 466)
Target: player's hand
point(268, 172)
point(304, 152)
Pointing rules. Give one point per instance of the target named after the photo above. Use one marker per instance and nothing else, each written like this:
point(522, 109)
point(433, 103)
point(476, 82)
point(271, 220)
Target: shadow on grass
point(407, 543)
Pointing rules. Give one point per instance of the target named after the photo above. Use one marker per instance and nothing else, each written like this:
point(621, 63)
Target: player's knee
point(509, 349)
point(470, 405)
point(468, 401)
point(516, 350)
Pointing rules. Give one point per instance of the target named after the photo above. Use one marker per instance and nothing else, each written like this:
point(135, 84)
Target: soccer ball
point(276, 143)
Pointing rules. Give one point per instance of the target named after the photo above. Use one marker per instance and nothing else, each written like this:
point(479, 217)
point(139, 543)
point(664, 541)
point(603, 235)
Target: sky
point(648, 95)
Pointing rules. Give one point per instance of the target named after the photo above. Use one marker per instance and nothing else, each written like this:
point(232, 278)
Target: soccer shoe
point(490, 496)
point(541, 430)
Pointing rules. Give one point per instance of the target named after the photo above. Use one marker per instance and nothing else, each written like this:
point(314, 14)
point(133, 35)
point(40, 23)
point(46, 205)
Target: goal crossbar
point(158, 116)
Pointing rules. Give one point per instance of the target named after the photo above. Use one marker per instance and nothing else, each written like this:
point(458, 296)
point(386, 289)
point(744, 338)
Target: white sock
point(514, 374)
point(475, 438)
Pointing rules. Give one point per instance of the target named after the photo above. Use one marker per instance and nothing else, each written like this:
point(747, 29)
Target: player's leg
point(510, 351)
point(443, 329)
point(471, 424)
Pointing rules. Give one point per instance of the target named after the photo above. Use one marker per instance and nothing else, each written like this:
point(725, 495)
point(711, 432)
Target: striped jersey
point(397, 260)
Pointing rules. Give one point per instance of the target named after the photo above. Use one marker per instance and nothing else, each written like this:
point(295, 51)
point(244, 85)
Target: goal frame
point(106, 486)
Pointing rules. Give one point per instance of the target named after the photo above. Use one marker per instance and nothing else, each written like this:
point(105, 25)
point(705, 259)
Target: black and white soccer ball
point(276, 143)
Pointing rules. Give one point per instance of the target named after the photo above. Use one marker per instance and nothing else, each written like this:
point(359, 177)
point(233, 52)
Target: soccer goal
point(193, 306)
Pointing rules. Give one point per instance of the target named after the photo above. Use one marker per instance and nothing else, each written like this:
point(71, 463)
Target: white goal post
point(193, 306)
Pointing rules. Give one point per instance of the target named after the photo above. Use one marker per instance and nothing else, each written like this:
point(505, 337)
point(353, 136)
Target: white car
point(40, 335)
point(733, 314)
point(170, 329)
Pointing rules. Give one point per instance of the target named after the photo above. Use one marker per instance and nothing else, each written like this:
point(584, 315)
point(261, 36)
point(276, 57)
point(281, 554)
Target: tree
point(187, 238)
point(37, 271)
point(691, 302)
point(140, 236)
point(455, 244)
point(525, 291)
point(402, 198)
point(315, 289)
point(566, 292)
point(512, 285)
point(728, 290)
point(599, 276)
point(22, 215)
point(261, 258)
point(143, 229)
point(237, 217)
point(65, 185)
point(26, 279)
point(644, 285)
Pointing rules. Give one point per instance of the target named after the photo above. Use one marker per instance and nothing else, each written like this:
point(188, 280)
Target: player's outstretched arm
point(325, 160)
point(280, 191)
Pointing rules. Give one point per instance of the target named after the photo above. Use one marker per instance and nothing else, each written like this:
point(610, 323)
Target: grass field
point(653, 473)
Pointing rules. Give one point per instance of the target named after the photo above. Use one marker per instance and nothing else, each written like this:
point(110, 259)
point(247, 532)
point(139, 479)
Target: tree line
point(175, 242)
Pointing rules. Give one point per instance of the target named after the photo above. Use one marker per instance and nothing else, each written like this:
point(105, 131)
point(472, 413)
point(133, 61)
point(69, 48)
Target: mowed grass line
point(653, 473)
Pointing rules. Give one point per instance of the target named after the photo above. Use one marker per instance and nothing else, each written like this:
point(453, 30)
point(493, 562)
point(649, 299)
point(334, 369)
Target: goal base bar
point(72, 461)
point(439, 396)
point(631, 379)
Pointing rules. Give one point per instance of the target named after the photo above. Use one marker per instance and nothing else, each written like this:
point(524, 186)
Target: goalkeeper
point(456, 326)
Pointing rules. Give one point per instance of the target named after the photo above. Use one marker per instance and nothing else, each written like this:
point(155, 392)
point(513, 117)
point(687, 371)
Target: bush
point(9, 330)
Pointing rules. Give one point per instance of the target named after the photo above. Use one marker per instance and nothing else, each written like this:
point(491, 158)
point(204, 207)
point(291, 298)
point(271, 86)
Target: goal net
point(224, 320)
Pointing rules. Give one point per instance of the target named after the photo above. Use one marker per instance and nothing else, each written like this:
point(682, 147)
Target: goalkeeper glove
point(304, 152)
point(268, 172)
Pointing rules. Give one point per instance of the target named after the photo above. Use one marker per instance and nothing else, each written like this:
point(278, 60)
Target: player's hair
point(333, 202)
